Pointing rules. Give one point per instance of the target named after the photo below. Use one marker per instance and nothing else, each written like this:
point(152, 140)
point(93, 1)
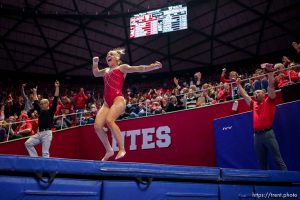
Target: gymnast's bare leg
point(99, 123)
point(114, 112)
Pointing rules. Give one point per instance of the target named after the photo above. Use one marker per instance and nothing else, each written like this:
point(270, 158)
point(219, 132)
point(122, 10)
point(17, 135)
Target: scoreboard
point(162, 20)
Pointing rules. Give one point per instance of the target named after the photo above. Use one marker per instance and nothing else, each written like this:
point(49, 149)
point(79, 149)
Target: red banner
point(179, 138)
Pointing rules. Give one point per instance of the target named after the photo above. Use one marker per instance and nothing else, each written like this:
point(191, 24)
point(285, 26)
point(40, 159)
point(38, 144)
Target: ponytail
point(120, 51)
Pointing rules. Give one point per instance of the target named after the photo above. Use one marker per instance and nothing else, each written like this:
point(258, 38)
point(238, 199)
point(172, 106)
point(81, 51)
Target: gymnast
point(114, 102)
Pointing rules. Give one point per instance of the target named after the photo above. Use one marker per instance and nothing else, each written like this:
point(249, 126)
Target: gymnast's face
point(112, 58)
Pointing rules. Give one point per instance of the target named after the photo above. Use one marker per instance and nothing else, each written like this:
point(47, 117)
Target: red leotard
point(113, 84)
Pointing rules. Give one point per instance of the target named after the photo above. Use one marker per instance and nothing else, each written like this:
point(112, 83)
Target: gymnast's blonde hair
point(120, 51)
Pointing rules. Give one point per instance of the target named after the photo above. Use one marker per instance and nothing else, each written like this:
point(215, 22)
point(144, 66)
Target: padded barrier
point(120, 169)
point(91, 180)
point(243, 175)
point(234, 138)
point(234, 142)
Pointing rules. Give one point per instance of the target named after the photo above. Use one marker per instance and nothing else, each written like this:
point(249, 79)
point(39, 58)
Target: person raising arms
point(114, 102)
point(263, 106)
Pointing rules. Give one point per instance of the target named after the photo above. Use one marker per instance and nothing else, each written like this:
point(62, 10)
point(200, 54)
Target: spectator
point(164, 101)
point(80, 101)
point(90, 99)
point(65, 104)
point(179, 96)
point(18, 105)
point(285, 76)
point(224, 92)
point(207, 98)
point(46, 115)
point(233, 75)
point(2, 115)
point(296, 47)
point(286, 61)
point(176, 81)
point(260, 80)
point(263, 115)
point(156, 108)
point(24, 128)
point(92, 114)
point(63, 121)
point(132, 108)
point(173, 105)
point(28, 102)
point(198, 77)
point(12, 123)
point(191, 99)
point(143, 111)
point(9, 111)
point(2, 130)
point(248, 88)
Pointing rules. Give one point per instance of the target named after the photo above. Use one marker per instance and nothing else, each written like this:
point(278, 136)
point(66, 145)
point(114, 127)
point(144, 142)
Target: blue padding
point(159, 171)
point(234, 142)
point(129, 190)
point(16, 187)
point(234, 138)
point(235, 192)
point(80, 167)
point(132, 170)
point(243, 175)
point(30, 164)
point(287, 130)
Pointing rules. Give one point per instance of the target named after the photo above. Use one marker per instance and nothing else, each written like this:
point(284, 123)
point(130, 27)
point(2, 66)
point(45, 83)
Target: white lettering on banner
point(163, 134)
point(148, 138)
point(132, 134)
point(151, 138)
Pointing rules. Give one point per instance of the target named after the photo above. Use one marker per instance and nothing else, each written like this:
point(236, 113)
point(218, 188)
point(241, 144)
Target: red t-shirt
point(27, 125)
point(263, 113)
point(222, 94)
point(60, 107)
point(80, 100)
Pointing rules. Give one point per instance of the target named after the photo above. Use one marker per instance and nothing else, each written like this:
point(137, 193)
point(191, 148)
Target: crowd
point(19, 119)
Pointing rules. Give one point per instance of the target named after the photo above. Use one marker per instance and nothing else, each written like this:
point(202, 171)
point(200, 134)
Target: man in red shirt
point(24, 129)
point(80, 100)
point(264, 107)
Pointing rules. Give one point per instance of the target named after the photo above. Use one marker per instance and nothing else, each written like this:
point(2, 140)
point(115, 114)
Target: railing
point(78, 118)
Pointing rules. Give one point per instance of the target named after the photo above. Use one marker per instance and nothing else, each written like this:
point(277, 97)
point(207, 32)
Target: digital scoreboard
point(162, 20)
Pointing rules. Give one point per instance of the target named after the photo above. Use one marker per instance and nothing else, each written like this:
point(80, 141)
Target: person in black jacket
point(46, 114)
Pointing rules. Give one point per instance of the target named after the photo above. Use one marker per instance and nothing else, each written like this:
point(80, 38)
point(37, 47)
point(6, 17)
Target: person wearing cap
point(24, 128)
point(264, 107)
point(46, 115)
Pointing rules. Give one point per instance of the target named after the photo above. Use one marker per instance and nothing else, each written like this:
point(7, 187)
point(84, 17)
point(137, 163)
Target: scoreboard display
point(162, 20)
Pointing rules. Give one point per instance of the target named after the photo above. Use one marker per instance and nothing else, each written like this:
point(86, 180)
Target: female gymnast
point(114, 103)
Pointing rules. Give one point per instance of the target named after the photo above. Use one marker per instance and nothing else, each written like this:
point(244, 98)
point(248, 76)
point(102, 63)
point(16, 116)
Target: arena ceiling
point(61, 37)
